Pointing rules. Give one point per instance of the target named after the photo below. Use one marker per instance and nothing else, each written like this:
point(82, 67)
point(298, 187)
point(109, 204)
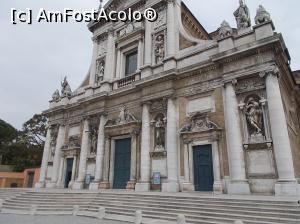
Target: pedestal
point(142, 187)
point(170, 187)
point(104, 185)
point(78, 185)
point(187, 187)
point(218, 187)
point(286, 189)
point(94, 186)
point(131, 185)
point(238, 188)
point(169, 63)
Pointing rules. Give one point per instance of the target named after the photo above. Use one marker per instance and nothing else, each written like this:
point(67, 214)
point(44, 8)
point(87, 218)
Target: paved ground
point(27, 219)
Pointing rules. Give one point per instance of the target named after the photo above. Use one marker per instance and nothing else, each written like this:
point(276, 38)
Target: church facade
point(168, 106)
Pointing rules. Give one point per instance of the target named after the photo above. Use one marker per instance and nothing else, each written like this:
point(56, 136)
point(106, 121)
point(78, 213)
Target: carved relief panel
point(100, 68)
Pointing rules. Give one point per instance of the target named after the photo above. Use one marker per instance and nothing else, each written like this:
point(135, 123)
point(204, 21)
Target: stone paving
point(51, 219)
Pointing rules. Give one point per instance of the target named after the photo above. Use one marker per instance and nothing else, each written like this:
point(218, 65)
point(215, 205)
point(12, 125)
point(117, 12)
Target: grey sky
point(35, 57)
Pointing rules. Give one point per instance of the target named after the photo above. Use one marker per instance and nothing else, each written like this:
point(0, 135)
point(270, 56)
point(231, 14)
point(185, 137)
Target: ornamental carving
point(247, 85)
point(262, 15)
point(129, 28)
point(242, 16)
point(159, 50)
point(124, 117)
point(74, 142)
point(161, 20)
point(199, 123)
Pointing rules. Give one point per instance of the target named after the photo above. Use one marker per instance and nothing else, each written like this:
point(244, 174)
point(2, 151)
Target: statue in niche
point(100, 71)
point(94, 140)
point(125, 116)
point(254, 115)
point(65, 88)
point(242, 16)
point(159, 48)
point(52, 146)
point(262, 15)
point(56, 96)
point(160, 133)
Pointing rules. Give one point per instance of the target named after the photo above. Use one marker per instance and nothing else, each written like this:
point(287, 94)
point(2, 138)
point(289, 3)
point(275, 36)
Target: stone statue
point(56, 96)
point(159, 134)
point(65, 88)
point(225, 30)
point(159, 48)
point(254, 116)
point(100, 71)
point(262, 15)
point(125, 116)
point(94, 140)
point(242, 16)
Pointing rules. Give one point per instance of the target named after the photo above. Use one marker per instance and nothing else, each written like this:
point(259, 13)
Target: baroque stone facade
point(167, 106)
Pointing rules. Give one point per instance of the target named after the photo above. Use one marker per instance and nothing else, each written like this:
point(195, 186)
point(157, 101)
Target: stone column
point(83, 156)
point(146, 69)
point(100, 154)
point(132, 182)
point(144, 183)
point(105, 183)
point(74, 169)
point(187, 185)
point(94, 59)
point(218, 186)
point(60, 182)
point(172, 152)
point(57, 156)
point(110, 56)
point(112, 162)
point(140, 54)
point(170, 29)
point(44, 165)
point(286, 184)
point(238, 183)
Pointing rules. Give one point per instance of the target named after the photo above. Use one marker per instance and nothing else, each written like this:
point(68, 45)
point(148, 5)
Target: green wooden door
point(122, 163)
point(203, 168)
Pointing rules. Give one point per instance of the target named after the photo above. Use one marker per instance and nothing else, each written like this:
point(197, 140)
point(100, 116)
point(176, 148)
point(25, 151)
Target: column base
point(94, 186)
point(51, 185)
point(170, 187)
point(287, 188)
point(77, 186)
point(218, 187)
point(131, 185)
point(142, 187)
point(104, 185)
point(187, 187)
point(40, 185)
point(238, 188)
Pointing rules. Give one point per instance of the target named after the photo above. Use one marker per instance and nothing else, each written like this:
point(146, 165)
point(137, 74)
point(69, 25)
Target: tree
point(34, 130)
point(7, 132)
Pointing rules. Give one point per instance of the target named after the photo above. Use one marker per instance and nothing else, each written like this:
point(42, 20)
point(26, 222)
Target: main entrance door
point(122, 163)
point(69, 172)
point(203, 168)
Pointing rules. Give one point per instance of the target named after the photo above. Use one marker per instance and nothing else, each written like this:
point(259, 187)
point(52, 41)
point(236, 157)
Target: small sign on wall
point(156, 178)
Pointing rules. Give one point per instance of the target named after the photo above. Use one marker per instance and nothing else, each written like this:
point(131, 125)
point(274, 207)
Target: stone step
point(216, 213)
point(205, 207)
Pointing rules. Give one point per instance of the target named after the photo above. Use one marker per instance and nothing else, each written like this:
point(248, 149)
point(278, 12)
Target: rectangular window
point(131, 63)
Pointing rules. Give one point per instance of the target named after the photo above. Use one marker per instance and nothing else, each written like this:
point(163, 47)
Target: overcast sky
point(34, 58)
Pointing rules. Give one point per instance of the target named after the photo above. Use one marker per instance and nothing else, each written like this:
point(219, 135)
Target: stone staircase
point(198, 208)
point(10, 192)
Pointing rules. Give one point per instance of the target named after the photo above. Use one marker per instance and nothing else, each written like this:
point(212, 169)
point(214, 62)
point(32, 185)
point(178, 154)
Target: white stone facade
point(205, 112)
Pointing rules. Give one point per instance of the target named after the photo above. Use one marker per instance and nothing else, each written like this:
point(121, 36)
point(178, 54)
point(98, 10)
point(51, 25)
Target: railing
point(127, 80)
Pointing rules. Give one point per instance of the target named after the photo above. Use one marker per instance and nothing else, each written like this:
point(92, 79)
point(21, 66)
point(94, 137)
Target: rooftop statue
point(65, 88)
point(242, 16)
point(225, 30)
point(56, 96)
point(262, 15)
